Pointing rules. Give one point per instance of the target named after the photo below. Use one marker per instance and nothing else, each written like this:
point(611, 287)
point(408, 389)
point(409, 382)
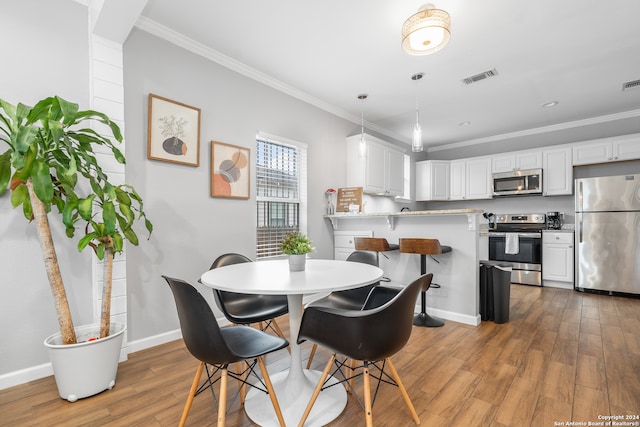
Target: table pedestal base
point(293, 400)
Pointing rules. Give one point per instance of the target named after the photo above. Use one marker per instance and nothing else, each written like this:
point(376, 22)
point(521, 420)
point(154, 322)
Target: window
point(281, 192)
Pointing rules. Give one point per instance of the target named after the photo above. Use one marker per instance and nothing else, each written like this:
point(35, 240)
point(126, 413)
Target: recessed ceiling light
point(467, 123)
point(550, 104)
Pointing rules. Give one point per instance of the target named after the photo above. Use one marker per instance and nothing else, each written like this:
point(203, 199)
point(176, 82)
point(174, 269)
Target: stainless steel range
point(517, 239)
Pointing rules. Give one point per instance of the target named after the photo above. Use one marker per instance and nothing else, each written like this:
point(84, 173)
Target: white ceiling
point(326, 52)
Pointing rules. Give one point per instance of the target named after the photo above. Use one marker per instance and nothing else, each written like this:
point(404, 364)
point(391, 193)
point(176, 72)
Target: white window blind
point(281, 192)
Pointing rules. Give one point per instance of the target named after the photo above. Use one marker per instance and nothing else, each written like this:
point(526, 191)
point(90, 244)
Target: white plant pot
point(297, 262)
point(88, 367)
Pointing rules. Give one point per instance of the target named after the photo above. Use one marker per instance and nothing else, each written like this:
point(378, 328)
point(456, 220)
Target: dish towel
point(511, 244)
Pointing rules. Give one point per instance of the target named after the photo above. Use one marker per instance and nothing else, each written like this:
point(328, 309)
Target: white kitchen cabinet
point(379, 170)
point(557, 259)
point(478, 178)
point(344, 242)
point(614, 149)
point(517, 160)
point(557, 171)
point(470, 179)
point(395, 176)
point(432, 180)
point(457, 180)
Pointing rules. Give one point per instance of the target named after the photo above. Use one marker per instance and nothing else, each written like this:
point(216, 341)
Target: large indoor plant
point(51, 162)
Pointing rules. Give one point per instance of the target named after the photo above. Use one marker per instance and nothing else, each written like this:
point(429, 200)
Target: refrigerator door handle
point(580, 228)
point(580, 197)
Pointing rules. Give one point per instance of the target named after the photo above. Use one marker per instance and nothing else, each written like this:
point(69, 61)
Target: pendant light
point(362, 148)
point(416, 143)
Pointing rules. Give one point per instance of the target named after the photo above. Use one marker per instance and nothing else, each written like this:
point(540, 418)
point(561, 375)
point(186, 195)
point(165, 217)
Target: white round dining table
point(294, 386)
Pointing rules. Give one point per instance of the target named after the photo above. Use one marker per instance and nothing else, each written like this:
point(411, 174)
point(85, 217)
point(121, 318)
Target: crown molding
point(165, 33)
point(539, 130)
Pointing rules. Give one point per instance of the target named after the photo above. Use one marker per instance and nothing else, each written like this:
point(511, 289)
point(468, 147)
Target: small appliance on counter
point(554, 221)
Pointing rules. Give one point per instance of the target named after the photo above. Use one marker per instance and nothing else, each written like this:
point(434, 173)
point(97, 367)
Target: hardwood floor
point(563, 356)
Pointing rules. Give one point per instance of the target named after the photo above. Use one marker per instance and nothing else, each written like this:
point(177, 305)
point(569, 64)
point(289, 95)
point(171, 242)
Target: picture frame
point(230, 170)
point(174, 131)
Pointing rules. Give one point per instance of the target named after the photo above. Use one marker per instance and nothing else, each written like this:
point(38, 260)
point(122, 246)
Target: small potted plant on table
point(297, 246)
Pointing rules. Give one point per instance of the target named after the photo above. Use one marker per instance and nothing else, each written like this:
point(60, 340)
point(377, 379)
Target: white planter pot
point(89, 367)
point(297, 262)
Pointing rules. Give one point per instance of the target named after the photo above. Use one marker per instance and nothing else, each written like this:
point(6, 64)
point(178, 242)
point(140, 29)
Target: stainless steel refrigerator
point(608, 234)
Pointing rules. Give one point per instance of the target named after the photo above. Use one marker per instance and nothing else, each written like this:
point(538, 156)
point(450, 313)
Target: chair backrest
point(228, 259)
point(358, 295)
point(364, 257)
point(368, 334)
point(420, 246)
point(199, 327)
point(224, 298)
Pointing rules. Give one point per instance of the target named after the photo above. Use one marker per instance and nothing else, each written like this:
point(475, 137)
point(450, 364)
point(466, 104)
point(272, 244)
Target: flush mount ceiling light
point(550, 104)
point(426, 31)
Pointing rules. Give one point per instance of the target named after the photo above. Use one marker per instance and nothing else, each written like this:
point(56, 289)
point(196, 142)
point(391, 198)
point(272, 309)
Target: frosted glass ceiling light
point(362, 148)
point(426, 31)
point(416, 144)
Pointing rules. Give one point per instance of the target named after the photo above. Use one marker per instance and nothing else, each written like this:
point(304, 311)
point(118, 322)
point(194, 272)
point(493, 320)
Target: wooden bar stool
point(375, 244)
point(424, 247)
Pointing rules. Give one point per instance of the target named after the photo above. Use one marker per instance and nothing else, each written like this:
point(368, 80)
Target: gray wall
point(42, 56)
point(192, 228)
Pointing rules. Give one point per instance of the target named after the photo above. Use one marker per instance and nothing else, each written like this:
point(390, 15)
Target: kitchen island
point(457, 272)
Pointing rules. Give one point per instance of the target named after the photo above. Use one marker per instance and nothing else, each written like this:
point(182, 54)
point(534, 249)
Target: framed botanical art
point(174, 131)
point(230, 173)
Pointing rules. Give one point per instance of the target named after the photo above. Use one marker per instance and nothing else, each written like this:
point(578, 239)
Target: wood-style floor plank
point(562, 356)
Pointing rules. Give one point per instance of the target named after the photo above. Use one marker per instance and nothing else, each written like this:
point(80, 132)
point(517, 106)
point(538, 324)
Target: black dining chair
point(245, 309)
point(350, 299)
point(217, 347)
point(370, 336)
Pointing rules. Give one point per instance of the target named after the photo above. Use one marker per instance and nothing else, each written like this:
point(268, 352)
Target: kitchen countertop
point(391, 216)
point(406, 213)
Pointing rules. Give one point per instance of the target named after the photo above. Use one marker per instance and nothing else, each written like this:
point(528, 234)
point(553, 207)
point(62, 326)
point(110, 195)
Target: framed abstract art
point(230, 170)
point(174, 131)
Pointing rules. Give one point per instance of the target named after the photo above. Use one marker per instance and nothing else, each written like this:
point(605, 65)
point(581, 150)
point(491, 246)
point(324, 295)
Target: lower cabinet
point(344, 242)
point(557, 259)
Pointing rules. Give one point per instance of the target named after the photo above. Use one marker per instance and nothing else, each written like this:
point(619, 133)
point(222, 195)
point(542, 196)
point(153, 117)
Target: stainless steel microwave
point(518, 182)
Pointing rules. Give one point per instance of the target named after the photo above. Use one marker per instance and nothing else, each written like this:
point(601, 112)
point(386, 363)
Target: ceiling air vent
point(477, 77)
point(631, 85)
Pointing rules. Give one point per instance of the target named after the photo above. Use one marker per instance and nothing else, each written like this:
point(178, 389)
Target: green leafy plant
point(296, 243)
point(51, 163)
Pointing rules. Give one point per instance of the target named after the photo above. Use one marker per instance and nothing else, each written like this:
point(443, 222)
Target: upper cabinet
point(605, 150)
point(528, 159)
point(378, 167)
point(557, 171)
point(432, 180)
point(470, 179)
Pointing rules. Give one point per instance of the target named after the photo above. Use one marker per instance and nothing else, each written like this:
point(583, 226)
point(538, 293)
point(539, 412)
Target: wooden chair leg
point(403, 390)
point(192, 393)
point(242, 387)
point(367, 396)
point(316, 392)
point(222, 399)
point(279, 333)
point(272, 393)
point(313, 353)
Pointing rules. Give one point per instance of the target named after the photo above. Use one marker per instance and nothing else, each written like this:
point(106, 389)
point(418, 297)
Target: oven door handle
point(500, 234)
